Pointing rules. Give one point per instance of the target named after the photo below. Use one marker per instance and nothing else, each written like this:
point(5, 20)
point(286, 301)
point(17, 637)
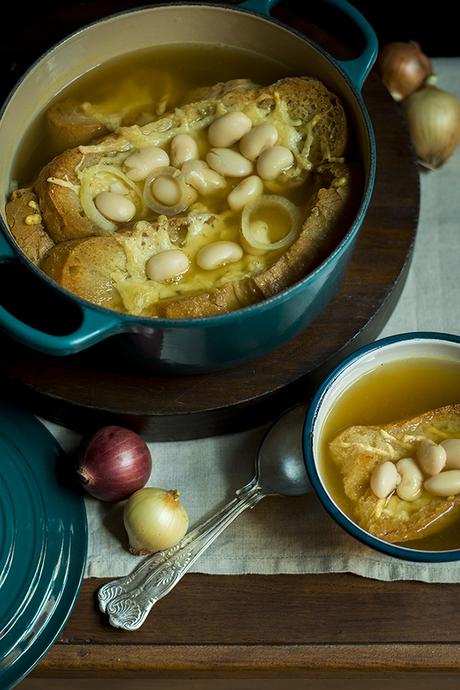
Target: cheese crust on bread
point(359, 449)
point(105, 262)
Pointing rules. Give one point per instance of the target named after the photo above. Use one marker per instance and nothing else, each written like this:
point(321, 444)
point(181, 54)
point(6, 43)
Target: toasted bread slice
point(313, 123)
point(358, 449)
point(69, 126)
point(220, 89)
point(60, 206)
point(98, 265)
point(321, 230)
point(95, 268)
point(25, 222)
point(86, 267)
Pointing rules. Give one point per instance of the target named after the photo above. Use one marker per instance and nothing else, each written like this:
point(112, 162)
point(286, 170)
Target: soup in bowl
point(382, 442)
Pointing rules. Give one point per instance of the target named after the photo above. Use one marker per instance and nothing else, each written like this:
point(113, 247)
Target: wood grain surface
point(90, 389)
point(271, 626)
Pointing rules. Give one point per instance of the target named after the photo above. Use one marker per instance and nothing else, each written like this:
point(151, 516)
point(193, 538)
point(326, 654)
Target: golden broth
point(142, 79)
point(393, 391)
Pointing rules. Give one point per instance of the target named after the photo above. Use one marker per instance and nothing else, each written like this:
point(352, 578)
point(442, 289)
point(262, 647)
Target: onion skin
point(403, 68)
point(434, 122)
point(114, 463)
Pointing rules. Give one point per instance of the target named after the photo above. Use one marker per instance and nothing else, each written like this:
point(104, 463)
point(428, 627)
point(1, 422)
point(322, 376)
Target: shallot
point(403, 68)
point(434, 122)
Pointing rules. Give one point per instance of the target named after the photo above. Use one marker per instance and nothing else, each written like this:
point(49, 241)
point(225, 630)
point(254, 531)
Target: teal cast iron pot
point(188, 345)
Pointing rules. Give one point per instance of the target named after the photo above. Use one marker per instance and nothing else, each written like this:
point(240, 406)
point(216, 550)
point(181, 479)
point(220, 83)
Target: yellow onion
point(403, 68)
point(154, 520)
point(187, 194)
point(256, 232)
point(434, 122)
point(88, 179)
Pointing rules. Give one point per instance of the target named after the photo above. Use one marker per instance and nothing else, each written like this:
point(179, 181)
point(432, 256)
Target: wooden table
point(274, 631)
point(326, 628)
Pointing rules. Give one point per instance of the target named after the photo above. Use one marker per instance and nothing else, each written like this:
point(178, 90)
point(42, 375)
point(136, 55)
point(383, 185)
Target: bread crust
point(68, 126)
point(60, 206)
point(85, 267)
point(25, 222)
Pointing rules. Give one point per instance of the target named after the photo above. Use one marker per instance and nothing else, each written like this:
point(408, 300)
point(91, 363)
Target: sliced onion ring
point(87, 199)
point(267, 201)
point(187, 193)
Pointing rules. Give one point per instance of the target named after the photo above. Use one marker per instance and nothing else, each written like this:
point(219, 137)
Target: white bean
point(410, 486)
point(257, 140)
point(166, 190)
point(183, 148)
point(228, 162)
point(145, 161)
point(273, 161)
point(192, 166)
point(452, 448)
point(115, 207)
point(431, 457)
point(218, 254)
point(384, 479)
point(203, 179)
point(444, 484)
point(228, 129)
point(244, 192)
point(167, 265)
point(118, 187)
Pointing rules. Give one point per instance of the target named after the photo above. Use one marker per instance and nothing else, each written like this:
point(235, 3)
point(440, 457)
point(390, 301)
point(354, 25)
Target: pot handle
point(259, 6)
point(94, 327)
point(356, 69)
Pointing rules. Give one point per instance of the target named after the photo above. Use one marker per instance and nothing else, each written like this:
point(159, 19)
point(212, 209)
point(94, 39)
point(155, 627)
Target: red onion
point(114, 463)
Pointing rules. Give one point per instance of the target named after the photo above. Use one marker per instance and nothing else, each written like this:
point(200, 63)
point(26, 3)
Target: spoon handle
point(123, 585)
point(128, 603)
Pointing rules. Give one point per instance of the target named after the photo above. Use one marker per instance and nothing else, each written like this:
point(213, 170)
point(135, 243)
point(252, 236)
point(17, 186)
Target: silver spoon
point(280, 470)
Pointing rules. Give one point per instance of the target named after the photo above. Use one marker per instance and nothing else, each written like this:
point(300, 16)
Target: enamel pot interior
point(147, 27)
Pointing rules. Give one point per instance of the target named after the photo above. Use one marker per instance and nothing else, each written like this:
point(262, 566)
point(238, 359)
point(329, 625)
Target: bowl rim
point(401, 552)
point(267, 303)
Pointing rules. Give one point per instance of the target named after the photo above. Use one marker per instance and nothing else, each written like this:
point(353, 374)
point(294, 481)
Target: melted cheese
point(209, 219)
point(139, 294)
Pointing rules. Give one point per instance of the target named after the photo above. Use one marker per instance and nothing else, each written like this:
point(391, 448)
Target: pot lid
point(43, 543)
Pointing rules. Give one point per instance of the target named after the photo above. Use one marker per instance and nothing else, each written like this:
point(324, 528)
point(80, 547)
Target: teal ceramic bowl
point(190, 345)
point(348, 372)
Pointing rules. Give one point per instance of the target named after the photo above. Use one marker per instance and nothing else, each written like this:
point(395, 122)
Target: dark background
point(33, 27)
